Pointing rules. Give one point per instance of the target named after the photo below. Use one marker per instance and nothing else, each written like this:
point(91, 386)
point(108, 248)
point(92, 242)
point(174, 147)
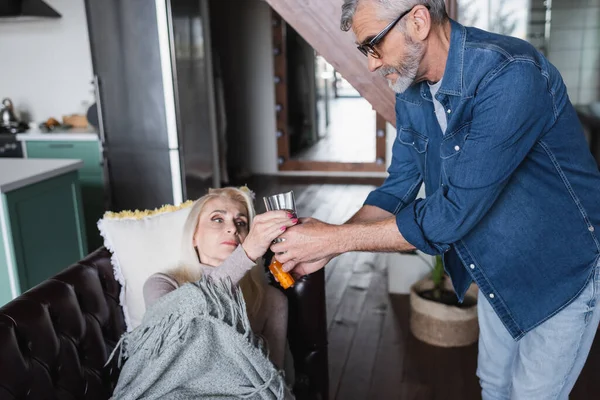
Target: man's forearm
point(378, 236)
point(369, 213)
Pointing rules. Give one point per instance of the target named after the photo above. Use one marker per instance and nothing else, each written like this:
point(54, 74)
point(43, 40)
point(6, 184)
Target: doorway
point(323, 123)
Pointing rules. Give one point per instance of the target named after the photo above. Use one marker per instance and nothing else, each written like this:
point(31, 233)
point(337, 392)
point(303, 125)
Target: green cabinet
point(87, 151)
point(42, 229)
point(91, 176)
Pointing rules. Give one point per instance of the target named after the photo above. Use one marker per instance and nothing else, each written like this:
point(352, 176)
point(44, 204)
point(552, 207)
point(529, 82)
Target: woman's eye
point(242, 223)
point(219, 220)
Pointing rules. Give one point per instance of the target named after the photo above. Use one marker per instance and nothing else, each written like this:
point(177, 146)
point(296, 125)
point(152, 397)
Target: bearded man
point(512, 191)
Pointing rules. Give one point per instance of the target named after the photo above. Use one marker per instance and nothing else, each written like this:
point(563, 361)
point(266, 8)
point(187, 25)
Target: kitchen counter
point(70, 134)
point(16, 173)
point(42, 227)
point(76, 145)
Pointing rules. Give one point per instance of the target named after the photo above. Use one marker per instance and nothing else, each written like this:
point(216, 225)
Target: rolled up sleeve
point(402, 184)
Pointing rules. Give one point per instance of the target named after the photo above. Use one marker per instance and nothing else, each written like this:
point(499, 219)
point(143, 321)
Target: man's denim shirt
point(513, 192)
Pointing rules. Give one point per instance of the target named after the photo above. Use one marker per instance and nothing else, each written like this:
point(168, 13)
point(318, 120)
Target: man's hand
point(308, 245)
point(308, 268)
point(313, 241)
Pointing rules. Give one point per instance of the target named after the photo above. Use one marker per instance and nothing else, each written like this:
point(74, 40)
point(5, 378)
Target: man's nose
point(374, 63)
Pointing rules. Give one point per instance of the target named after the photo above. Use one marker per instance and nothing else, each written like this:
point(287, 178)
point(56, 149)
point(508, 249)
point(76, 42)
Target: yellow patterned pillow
point(142, 243)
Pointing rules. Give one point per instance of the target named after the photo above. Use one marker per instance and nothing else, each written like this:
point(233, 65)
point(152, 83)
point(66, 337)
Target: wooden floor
point(372, 354)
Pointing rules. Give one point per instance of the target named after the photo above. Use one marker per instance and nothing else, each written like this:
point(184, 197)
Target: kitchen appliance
point(13, 129)
point(9, 122)
point(10, 146)
point(24, 10)
point(155, 107)
point(9, 127)
point(7, 113)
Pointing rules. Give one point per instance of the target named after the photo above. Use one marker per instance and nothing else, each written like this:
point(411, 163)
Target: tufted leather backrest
point(56, 337)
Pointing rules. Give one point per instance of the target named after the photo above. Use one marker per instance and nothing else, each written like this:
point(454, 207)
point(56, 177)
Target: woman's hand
point(266, 228)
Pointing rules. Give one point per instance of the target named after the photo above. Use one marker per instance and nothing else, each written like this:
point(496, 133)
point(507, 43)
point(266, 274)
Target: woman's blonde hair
point(253, 284)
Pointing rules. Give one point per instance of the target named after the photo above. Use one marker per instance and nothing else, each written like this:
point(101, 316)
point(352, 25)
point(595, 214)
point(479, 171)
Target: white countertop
point(71, 134)
point(16, 173)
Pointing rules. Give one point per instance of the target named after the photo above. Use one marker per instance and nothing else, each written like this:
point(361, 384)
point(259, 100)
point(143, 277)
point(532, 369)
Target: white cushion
point(142, 243)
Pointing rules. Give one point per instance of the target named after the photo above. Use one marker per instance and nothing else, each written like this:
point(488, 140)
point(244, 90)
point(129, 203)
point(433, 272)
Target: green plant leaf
point(437, 275)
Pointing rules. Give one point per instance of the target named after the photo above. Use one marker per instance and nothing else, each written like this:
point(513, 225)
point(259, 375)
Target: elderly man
point(513, 193)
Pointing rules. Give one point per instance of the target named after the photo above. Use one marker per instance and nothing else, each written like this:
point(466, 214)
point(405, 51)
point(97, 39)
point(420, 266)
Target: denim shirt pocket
point(453, 142)
point(412, 138)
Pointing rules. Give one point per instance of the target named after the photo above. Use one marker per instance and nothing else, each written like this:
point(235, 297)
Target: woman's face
point(222, 226)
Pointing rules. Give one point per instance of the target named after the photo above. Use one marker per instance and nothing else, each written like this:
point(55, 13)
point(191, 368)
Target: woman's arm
point(234, 267)
point(157, 286)
point(265, 228)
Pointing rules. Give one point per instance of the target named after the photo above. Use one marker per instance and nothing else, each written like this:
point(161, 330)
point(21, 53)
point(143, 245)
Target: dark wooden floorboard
point(372, 354)
point(347, 203)
point(358, 370)
point(337, 283)
point(438, 373)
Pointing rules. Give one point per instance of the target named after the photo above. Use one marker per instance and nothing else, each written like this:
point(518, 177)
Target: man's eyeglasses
point(368, 49)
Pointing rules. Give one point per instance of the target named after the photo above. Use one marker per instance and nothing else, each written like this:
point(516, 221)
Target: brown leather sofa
point(56, 337)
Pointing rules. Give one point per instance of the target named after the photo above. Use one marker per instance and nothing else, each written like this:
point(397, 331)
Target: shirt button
point(449, 111)
point(492, 295)
point(472, 266)
point(457, 148)
point(591, 229)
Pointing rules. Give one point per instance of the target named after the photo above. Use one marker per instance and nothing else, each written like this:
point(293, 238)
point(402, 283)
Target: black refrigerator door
point(143, 180)
point(130, 45)
point(126, 59)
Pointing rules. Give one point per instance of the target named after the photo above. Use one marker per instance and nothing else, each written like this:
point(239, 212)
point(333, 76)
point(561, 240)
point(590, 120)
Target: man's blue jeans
point(546, 362)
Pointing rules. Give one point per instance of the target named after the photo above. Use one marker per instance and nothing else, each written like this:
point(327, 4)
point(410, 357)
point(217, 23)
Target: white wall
point(46, 65)
point(574, 47)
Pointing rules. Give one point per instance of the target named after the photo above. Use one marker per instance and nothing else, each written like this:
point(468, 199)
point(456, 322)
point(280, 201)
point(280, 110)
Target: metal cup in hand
point(281, 201)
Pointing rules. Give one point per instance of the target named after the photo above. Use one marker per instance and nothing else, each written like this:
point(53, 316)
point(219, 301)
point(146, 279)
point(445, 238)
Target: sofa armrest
point(307, 333)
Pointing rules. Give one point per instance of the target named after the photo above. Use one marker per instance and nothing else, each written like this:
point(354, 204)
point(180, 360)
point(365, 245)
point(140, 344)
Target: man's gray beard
point(407, 71)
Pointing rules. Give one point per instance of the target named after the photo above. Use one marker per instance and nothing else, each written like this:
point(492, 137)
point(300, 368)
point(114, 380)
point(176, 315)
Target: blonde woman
point(224, 239)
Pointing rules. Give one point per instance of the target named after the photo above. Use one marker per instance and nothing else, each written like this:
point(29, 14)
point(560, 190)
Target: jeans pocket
point(595, 289)
point(596, 278)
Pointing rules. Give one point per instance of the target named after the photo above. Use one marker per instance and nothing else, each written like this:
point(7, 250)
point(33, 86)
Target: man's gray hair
point(391, 9)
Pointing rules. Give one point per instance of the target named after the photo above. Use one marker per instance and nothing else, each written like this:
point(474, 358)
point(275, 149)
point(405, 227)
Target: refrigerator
point(155, 100)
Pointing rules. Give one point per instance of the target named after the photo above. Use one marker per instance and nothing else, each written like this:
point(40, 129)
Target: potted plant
point(437, 317)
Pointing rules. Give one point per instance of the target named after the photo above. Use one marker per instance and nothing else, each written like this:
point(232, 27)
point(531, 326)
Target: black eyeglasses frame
point(368, 49)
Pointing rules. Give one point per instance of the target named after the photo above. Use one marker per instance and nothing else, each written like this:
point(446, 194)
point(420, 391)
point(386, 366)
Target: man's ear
point(421, 23)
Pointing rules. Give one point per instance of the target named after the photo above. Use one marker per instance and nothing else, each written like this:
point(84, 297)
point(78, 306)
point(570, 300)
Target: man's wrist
point(340, 241)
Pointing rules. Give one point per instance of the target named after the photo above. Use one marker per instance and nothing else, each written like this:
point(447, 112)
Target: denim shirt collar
point(452, 84)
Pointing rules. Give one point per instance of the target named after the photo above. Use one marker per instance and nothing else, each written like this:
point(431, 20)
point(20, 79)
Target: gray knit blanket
point(196, 342)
